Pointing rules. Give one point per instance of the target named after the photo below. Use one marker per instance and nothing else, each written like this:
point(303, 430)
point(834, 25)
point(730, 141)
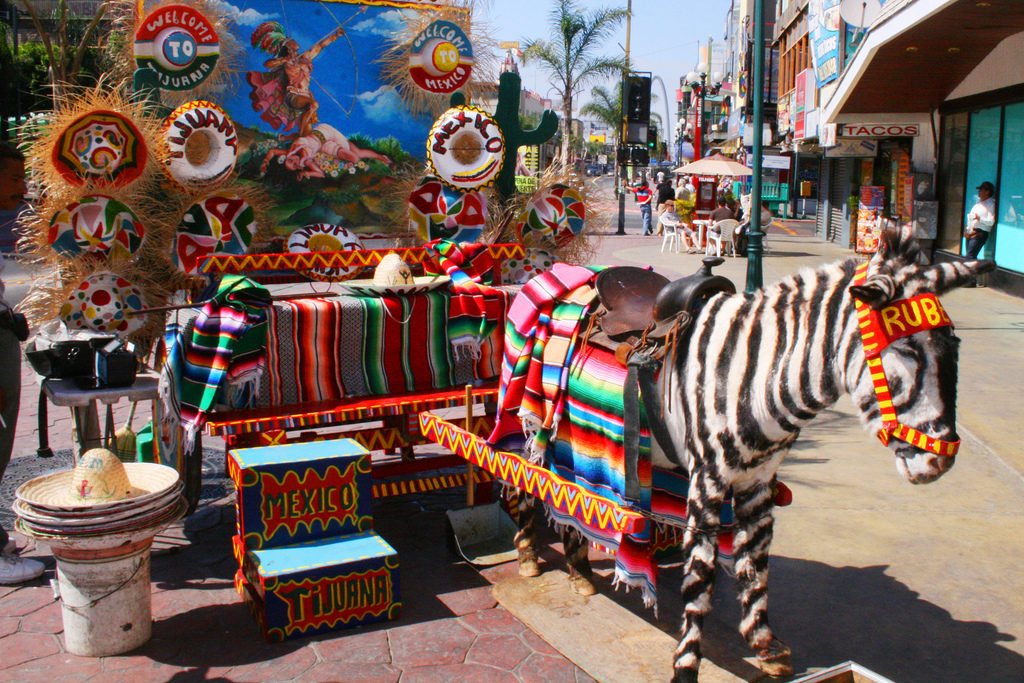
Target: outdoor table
point(83, 404)
point(702, 226)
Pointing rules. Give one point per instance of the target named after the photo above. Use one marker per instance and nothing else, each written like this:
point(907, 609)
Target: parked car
point(592, 169)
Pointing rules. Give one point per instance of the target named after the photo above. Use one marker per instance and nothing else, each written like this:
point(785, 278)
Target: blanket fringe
point(466, 349)
point(621, 579)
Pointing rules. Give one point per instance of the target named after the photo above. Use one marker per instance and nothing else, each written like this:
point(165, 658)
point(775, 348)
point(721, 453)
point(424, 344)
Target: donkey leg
point(753, 537)
point(526, 536)
point(700, 553)
point(580, 573)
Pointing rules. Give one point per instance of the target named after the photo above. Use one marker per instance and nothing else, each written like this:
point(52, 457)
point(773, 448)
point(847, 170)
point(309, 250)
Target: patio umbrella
point(716, 164)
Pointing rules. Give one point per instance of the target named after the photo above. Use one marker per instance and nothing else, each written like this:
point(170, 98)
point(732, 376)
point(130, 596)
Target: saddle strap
point(631, 433)
point(641, 370)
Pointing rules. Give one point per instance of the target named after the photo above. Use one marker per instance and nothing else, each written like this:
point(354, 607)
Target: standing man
point(981, 219)
point(643, 198)
point(13, 569)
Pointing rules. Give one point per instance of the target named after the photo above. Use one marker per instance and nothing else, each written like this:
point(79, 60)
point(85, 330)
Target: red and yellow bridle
point(880, 328)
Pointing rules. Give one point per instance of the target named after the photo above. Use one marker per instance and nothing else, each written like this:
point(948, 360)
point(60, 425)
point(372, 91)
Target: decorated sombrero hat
point(99, 480)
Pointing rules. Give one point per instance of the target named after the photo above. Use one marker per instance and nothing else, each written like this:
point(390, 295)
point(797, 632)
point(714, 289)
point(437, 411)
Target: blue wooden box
point(321, 585)
point(301, 491)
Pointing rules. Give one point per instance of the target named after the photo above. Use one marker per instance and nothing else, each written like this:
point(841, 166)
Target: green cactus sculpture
point(507, 117)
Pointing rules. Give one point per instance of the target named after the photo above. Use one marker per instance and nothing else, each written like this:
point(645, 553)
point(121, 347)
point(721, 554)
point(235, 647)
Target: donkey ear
point(876, 292)
point(943, 277)
point(897, 245)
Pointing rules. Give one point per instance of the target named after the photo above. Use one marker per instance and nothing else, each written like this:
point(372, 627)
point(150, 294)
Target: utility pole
point(755, 247)
point(624, 129)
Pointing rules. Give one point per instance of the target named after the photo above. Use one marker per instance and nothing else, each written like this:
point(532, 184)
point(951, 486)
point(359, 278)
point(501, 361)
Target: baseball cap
point(987, 186)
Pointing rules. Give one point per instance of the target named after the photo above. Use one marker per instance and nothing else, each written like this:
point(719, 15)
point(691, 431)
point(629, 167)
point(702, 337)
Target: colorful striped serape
point(527, 415)
point(225, 350)
point(477, 308)
point(324, 349)
point(568, 414)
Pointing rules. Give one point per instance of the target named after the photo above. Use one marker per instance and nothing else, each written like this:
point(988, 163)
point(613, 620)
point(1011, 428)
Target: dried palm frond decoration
point(394, 61)
point(502, 217)
point(96, 140)
point(213, 65)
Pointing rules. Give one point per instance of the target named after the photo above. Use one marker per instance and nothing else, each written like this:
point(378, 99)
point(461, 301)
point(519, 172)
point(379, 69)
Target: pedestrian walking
point(13, 569)
point(644, 198)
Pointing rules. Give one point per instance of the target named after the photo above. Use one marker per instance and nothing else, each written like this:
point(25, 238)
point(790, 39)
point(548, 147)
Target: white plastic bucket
point(105, 601)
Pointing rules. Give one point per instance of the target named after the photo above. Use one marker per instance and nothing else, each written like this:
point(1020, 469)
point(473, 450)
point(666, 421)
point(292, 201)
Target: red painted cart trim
point(325, 413)
point(334, 259)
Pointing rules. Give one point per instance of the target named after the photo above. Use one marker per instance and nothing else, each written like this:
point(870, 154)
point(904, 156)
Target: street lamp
point(698, 83)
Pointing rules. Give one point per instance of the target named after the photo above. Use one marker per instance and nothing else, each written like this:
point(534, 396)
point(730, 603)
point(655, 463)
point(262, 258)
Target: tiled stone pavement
point(450, 628)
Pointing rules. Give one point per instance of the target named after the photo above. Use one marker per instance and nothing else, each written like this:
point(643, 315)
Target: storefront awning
point(914, 56)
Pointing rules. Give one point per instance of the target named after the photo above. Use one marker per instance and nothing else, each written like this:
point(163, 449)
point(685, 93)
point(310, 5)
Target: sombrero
point(99, 481)
point(103, 302)
point(555, 215)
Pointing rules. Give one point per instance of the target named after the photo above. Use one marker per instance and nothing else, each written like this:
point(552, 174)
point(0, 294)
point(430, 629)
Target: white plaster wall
point(1001, 68)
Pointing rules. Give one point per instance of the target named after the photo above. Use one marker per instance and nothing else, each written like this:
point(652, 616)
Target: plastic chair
point(719, 233)
point(670, 228)
point(727, 232)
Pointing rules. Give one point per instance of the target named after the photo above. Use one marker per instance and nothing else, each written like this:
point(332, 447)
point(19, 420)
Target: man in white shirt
point(980, 220)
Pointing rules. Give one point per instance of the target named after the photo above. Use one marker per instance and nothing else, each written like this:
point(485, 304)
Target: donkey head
point(907, 391)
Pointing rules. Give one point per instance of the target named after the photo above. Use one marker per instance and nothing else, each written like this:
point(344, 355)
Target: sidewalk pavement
point(915, 583)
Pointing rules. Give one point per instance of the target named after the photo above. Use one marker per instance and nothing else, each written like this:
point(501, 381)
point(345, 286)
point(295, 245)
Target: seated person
point(722, 212)
point(740, 234)
point(670, 217)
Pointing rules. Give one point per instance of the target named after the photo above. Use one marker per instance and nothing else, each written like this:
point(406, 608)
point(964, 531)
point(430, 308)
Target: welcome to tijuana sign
point(880, 130)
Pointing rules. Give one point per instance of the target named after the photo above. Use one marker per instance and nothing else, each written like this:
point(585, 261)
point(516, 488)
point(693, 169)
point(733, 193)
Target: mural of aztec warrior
point(282, 96)
point(753, 369)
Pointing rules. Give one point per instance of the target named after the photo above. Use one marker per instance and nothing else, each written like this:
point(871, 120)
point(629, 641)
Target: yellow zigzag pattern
point(334, 259)
point(568, 498)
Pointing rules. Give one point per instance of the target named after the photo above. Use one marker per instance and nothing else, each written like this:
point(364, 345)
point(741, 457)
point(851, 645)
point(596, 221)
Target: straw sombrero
point(99, 480)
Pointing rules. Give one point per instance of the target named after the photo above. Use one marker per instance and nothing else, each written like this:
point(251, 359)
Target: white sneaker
point(14, 569)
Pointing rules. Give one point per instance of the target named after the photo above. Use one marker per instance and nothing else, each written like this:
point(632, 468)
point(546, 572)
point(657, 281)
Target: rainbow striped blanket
point(561, 404)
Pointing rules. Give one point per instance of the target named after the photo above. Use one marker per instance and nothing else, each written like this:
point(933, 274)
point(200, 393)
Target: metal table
point(83, 404)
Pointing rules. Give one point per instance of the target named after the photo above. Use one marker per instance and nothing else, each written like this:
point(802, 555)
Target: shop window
point(952, 181)
point(982, 162)
point(1009, 233)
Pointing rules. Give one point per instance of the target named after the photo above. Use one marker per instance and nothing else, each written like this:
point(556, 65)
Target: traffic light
point(636, 98)
point(639, 156)
point(652, 138)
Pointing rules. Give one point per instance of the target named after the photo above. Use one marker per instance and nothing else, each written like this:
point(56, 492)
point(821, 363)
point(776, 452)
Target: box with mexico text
point(301, 491)
point(321, 585)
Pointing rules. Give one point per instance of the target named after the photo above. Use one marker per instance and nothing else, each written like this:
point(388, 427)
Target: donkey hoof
point(774, 659)
point(528, 567)
point(582, 585)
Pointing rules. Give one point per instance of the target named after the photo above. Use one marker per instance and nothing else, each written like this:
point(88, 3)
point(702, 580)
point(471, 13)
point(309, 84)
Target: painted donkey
point(758, 367)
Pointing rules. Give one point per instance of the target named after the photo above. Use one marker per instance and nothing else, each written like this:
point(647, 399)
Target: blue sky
point(664, 36)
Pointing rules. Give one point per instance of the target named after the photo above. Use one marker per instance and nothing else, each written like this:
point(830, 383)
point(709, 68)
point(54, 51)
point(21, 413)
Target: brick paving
point(450, 628)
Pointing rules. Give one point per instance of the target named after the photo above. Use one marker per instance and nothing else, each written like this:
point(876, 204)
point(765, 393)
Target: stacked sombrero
point(101, 495)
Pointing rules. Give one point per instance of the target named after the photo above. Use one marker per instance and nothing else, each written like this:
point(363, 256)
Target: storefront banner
point(852, 148)
point(775, 161)
point(803, 104)
point(784, 113)
point(881, 130)
point(869, 218)
point(824, 21)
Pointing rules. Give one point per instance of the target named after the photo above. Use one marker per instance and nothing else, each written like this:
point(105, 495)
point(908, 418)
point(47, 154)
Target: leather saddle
point(641, 317)
point(641, 307)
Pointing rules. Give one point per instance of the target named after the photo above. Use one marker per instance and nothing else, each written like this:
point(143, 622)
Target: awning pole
point(754, 244)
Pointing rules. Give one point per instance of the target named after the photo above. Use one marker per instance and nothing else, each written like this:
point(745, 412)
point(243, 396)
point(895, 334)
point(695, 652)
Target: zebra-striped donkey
point(760, 366)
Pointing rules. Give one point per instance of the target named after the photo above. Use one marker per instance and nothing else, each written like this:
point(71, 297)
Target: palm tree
point(569, 55)
point(607, 108)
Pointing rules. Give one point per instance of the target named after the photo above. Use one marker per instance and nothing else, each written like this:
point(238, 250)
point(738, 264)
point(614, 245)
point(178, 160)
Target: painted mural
point(318, 130)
